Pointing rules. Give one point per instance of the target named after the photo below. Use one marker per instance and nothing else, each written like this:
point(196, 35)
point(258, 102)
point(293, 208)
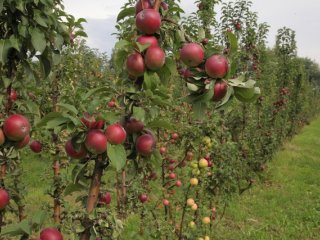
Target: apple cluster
point(212, 68)
point(148, 23)
point(97, 138)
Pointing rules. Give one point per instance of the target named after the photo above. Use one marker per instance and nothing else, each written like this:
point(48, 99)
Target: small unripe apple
point(194, 207)
point(190, 202)
point(166, 202)
point(192, 224)
point(206, 238)
point(206, 220)
point(194, 181)
point(203, 163)
point(143, 198)
point(189, 155)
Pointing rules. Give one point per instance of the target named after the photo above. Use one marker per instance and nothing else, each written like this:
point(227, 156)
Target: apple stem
point(157, 5)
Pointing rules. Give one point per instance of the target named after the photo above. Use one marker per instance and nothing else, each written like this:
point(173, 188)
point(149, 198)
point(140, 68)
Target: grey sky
point(301, 15)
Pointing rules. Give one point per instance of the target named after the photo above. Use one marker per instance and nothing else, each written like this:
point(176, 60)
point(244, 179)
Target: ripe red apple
point(51, 234)
point(36, 146)
point(21, 144)
point(166, 202)
point(155, 58)
point(205, 41)
point(145, 144)
point(88, 120)
point(146, 3)
point(75, 153)
point(172, 175)
point(135, 65)
point(148, 21)
point(143, 198)
point(237, 25)
point(219, 90)
point(16, 127)
point(192, 54)
point(163, 150)
point(174, 136)
point(106, 198)
point(134, 126)
point(111, 104)
point(185, 73)
point(2, 137)
point(99, 124)
point(13, 95)
point(217, 66)
point(116, 134)
point(96, 142)
point(178, 183)
point(4, 198)
point(171, 167)
point(144, 39)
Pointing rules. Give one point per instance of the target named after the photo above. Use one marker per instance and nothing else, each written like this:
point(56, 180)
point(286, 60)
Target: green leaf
point(39, 217)
point(38, 39)
point(233, 42)
point(49, 117)
point(73, 187)
point(117, 155)
point(39, 19)
point(13, 230)
point(143, 47)
point(5, 45)
point(139, 113)
point(45, 65)
point(199, 109)
point(151, 80)
point(68, 107)
point(126, 12)
point(160, 124)
point(201, 34)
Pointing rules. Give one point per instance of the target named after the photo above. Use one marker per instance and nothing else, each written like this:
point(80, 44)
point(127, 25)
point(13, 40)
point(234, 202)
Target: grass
point(286, 203)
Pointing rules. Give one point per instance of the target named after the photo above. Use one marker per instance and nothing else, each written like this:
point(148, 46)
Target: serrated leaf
point(73, 187)
point(117, 155)
point(49, 117)
point(39, 19)
point(68, 107)
point(39, 217)
point(139, 113)
point(95, 91)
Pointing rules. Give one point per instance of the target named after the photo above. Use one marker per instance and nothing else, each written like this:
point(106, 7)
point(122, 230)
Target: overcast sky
point(303, 16)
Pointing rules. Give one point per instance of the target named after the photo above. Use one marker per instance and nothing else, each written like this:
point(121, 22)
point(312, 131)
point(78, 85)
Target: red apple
point(2, 137)
point(16, 127)
point(192, 54)
point(36, 146)
point(148, 21)
point(145, 144)
point(99, 124)
point(189, 155)
point(178, 183)
point(51, 234)
point(219, 90)
point(172, 175)
point(106, 198)
point(134, 126)
point(88, 120)
point(21, 144)
point(146, 4)
point(174, 136)
point(217, 66)
point(163, 150)
point(111, 104)
point(116, 134)
point(166, 202)
point(75, 153)
point(143, 198)
point(155, 58)
point(4, 198)
point(171, 167)
point(145, 39)
point(205, 41)
point(185, 73)
point(135, 65)
point(96, 142)
point(13, 95)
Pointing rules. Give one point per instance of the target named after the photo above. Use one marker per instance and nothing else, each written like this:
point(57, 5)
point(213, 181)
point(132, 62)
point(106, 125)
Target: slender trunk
point(157, 5)
point(183, 213)
point(93, 195)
